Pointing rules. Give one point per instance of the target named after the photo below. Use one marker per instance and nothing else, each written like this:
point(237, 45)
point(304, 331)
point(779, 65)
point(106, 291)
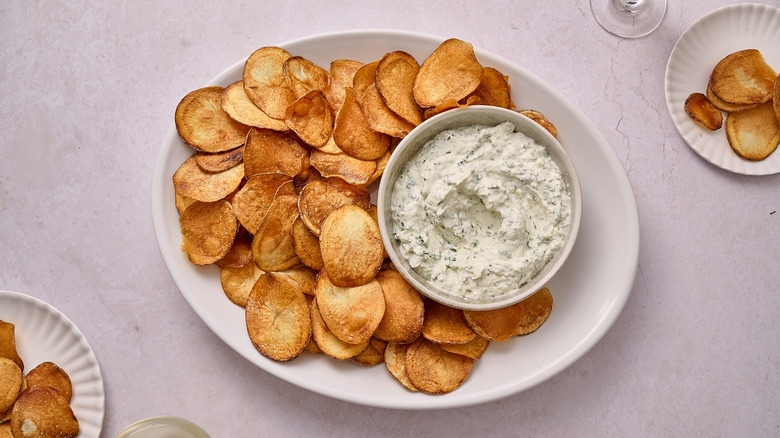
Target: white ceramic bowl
point(476, 115)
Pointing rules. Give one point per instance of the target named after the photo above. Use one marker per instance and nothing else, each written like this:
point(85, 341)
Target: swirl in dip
point(480, 210)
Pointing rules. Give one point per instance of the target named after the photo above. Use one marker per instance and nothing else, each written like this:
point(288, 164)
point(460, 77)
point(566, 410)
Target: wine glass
point(628, 18)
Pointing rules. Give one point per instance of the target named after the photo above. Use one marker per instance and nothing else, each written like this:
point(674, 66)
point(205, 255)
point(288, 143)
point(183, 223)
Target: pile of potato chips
point(36, 403)
point(747, 89)
point(276, 195)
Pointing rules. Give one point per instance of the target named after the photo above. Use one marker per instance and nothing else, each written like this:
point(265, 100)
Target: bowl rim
point(471, 115)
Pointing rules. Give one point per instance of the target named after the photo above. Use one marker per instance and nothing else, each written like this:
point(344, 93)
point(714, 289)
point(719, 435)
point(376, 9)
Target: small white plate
point(707, 41)
point(589, 291)
point(43, 334)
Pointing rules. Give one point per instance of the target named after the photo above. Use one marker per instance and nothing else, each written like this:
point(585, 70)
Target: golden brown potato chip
point(474, 348)
point(701, 111)
point(237, 282)
point(395, 77)
point(497, 324)
point(498, 86)
point(272, 246)
point(753, 133)
point(321, 197)
point(277, 318)
point(182, 202)
point(480, 96)
point(219, 161)
point(307, 245)
point(208, 230)
point(306, 176)
point(351, 246)
point(328, 342)
point(343, 166)
point(373, 355)
point(8, 343)
point(743, 77)
point(404, 309)
point(536, 309)
point(363, 78)
point(5, 428)
point(43, 412)
point(434, 370)
point(539, 118)
point(451, 72)
point(303, 277)
point(204, 125)
point(381, 118)
point(303, 76)
point(10, 384)
point(310, 117)
point(776, 98)
point(444, 324)
point(240, 108)
point(381, 164)
point(352, 314)
point(722, 105)
point(270, 151)
point(251, 202)
point(353, 134)
point(395, 362)
point(343, 71)
point(49, 374)
point(265, 83)
point(240, 253)
point(191, 181)
point(448, 105)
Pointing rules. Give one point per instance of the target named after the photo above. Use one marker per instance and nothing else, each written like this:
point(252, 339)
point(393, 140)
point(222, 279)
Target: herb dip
point(480, 210)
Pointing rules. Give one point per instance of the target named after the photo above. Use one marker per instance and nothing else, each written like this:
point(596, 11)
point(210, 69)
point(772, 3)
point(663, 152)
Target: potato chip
point(307, 245)
point(352, 314)
point(240, 108)
point(43, 412)
point(219, 161)
point(191, 181)
point(277, 319)
point(444, 324)
point(381, 118)
point(251, 202)
point(306, 176)
point(328, 342)
point(182, 202)
point(49, 374)
point(701, 111)
point(10, 384)
point(204, 125)
point(270, 151)
point(753, 133)
point(303, 277)
point(373, 355)
point(343, 166)
point(320, 198)
point(434, 370)
point(362, 79)
point(381, 164)
point(451, 72)
point(237, 282)
point(265, 83)
point(353, 134)
point(272, 246)
point(743, 77)
point(208, 230)
point(474, 348)
point(404, 309)
point(395, 362)
point(498, 86)
point(395, 77)
point(303, 76)
point(351, 246)
point(496, 324)
point(445, 106)
point(536, 310)
point(8, 343)
point(776, 98)
point(539, 118)
point(343, 71)
point(240, 253)
point(722, 105)
point(310, 117)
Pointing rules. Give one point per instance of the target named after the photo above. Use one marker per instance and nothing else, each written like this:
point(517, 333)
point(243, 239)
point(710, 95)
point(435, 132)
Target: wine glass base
point(626, 24)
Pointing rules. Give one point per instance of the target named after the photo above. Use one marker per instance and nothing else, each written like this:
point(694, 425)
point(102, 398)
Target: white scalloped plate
point(43, 334)
point(590, 290)
point(707, 41)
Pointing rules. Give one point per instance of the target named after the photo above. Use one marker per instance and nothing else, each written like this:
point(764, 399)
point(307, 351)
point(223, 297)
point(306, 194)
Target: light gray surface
point(88, 94)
